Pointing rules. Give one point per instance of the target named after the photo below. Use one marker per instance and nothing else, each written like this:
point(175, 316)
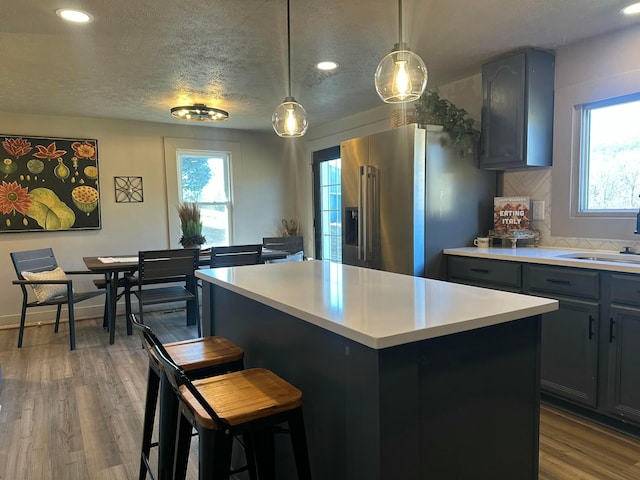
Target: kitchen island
point(402, 377)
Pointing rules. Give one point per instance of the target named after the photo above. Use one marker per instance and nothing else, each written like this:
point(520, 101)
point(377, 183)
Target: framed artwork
point(48, 184)
point(128, 189)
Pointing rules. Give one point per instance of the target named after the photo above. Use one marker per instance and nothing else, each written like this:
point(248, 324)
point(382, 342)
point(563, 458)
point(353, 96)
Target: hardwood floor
point(78, 415)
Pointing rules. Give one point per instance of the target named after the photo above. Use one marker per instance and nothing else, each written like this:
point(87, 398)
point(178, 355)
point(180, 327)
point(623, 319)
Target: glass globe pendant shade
point(401, 76)
point(290, 119)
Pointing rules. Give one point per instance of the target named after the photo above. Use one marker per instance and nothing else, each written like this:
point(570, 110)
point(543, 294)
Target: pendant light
point(289, 118)
point(401, 76)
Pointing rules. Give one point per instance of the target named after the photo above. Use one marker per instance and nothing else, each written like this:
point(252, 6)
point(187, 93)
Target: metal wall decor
point(48, 184)
point(128, 189)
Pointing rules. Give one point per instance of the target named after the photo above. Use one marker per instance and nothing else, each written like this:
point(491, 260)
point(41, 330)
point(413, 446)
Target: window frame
point(319, 157)
point(584, 165)
point(226, 157)
point(171, 147)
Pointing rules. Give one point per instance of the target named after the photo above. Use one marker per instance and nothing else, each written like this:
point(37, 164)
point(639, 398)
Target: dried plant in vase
point(191, 225)
point(290, 228)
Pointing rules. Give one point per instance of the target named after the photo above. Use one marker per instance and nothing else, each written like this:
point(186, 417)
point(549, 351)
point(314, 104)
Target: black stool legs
point(214, 451)
point(153, 386)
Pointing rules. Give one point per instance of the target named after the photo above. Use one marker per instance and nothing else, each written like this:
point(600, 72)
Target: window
point(610, 156)
point(204, 178)
point(328, 204)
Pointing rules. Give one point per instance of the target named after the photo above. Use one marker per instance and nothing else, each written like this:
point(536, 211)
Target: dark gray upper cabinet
point(517, 111)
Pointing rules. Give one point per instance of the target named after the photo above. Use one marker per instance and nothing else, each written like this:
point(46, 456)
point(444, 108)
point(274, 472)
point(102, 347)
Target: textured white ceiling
point(139, 58)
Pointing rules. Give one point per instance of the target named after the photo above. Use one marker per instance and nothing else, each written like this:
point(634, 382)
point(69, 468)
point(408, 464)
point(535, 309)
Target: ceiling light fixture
point(77, 16)
point(326, 65)
point(200, 112)
point(632, 9)
point(401, 76)
point(289, 119)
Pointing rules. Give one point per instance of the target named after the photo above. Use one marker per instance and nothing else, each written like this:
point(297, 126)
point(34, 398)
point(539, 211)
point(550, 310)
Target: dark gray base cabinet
point(590, 346)
point(570, 334)
point(623, 321)
point(624, 363)
point(570, 352)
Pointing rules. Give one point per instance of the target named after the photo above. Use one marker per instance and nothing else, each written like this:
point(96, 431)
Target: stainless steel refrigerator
point(407, 194)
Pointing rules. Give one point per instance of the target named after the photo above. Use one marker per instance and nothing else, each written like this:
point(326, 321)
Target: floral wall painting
point(48, 184)
point(128, 189)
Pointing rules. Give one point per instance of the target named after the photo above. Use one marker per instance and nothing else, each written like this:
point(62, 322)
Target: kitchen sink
point(604, 257)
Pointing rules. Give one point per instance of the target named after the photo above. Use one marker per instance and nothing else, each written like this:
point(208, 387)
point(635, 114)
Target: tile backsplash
point(536, 184)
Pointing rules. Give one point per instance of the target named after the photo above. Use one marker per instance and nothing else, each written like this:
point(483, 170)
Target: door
point(354, 154)
point(624, 363)
point(503, 112)
point(327, 204)
point(569, 347)
point(398, 157)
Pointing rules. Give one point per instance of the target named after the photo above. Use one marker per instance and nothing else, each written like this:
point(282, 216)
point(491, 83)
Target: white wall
point(262, 195)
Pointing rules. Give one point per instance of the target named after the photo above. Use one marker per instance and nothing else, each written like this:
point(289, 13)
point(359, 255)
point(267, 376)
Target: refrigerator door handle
point(372, 206)
point(362, 212)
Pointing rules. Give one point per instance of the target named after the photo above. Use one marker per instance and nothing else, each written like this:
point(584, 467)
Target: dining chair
point(50, 285)
point(161, 267)
point(286, 244)
point(294, 246)
point(235, 255)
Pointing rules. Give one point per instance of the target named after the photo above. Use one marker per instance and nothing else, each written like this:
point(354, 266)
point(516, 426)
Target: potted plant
point(191, 225)
point(431, 109)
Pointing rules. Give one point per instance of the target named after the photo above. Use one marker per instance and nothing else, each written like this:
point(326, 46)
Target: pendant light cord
point(289, 44)
point(399, 21)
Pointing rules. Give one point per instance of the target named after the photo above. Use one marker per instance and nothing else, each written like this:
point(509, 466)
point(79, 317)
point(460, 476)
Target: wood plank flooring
point(78, 415)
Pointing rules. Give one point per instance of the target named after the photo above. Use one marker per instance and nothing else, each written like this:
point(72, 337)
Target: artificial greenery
point(191, 225)
point(431, 109)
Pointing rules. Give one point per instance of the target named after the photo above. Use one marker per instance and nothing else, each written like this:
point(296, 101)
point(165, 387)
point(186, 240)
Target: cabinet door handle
point(611, 324)
point(480, 270)
point(590, 327)
point(558, 281)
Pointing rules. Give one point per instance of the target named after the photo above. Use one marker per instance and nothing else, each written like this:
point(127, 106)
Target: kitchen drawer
point(483, 271)
point(625, 289)
point(563, 281)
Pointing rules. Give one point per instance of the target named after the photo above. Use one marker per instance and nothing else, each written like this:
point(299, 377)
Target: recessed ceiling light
point(77, 16)
point(328, 65)
point(632, 9)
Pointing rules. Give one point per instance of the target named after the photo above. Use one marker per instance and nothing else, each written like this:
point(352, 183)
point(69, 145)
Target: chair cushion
point(45, 292)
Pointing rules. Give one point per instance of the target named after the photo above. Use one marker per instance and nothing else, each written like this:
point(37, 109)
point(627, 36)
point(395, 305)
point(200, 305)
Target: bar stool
point(249, 402)
point(199, 358)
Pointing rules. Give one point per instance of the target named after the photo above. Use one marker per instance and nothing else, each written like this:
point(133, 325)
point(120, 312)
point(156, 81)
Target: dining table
point(113, 266)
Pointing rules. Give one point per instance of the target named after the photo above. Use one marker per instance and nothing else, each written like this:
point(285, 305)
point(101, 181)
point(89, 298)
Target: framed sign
point(48, 184)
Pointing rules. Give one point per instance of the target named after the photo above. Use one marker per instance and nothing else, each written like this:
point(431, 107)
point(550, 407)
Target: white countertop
point(553, 256)
point(374, 308)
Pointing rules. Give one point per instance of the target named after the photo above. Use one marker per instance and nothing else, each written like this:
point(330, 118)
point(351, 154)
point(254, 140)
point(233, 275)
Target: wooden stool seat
point(202, 353)
point(242, 397)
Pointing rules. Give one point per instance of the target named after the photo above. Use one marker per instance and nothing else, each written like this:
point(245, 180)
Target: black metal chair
point(199, 358)
point(235, 255)
point(163, 267)
point(40, 270)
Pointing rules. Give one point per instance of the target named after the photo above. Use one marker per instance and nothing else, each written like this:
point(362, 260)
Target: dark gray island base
point(463, 406)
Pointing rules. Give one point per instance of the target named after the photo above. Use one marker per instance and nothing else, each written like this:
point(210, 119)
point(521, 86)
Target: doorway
point(327, 204)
